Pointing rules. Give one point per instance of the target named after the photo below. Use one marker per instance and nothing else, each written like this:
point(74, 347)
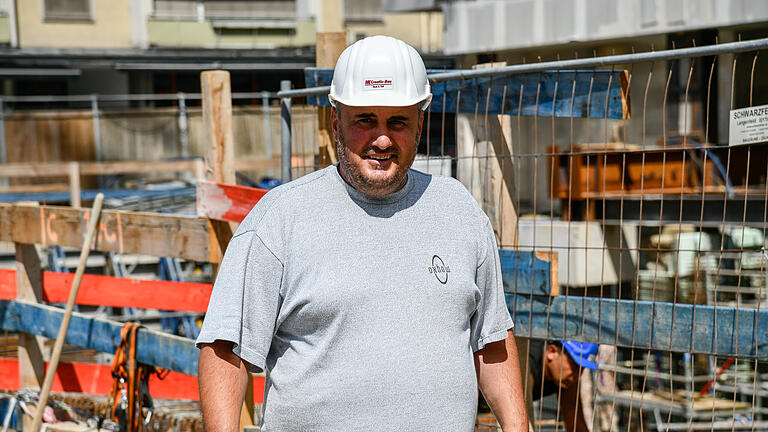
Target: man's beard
point(364, 184)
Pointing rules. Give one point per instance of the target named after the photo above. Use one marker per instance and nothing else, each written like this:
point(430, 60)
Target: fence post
point(3, 148)
point(74, 184)
point(267, 129)
point(96, 131)
point(183, 125)
point(285, 132)
point(29, 287)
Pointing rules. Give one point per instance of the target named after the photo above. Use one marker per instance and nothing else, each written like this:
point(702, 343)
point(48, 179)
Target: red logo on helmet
point(377, 83)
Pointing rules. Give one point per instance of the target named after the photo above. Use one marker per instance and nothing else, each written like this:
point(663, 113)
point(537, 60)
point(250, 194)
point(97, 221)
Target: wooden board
point(96, 379)
point(721, 331)
point(156, 348)
point(594, 94)
point(154, 234)
point(37, 169)
point(226, 202)
point(112, 291)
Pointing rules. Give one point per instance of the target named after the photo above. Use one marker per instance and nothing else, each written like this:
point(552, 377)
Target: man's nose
point(382, 140)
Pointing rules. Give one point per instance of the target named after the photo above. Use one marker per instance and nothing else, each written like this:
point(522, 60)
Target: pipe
point(285, 132)
point(726, 48)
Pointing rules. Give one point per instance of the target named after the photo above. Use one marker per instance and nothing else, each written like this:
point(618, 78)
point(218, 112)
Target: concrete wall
point(109, 28)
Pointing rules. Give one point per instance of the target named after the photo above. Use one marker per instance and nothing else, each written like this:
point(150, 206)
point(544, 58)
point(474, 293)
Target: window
point(363, 11)
point(68, 10)
point(178, 9)
point(250, 9)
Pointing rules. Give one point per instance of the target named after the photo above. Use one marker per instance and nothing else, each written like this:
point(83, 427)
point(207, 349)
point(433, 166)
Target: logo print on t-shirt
point(439, 269)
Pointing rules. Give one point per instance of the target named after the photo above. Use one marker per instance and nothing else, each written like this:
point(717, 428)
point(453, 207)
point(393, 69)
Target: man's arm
point(570, 409)
point(223, 377)
point(498, 376)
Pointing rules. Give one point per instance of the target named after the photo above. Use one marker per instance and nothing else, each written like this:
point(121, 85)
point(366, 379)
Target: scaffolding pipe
point(267, 129)
point(285, 132)
point(709, 50)
point(128, 97)
point(183, 125)
point(3, 147)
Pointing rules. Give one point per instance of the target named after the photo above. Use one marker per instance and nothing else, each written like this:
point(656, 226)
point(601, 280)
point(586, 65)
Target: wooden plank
point(676, 327)
point(156, 348)
point(217, 119)
point(74, 184)
point(37, 169)
point(96, 290)
point(226, 202)
point(256, 164)
point(96, 379)
point(153, 234)
point(136, 167)
point(50, 187)
point(596, 93)
point(31, 364)
point(329, 46)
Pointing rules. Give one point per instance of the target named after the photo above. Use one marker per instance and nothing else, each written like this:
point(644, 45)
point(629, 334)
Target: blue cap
point(582, 353)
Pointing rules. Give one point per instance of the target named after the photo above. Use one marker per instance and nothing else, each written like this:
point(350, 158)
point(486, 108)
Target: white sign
point(748, 125)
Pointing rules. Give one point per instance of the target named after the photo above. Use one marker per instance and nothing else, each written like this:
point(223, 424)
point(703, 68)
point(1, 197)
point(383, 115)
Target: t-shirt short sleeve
point(491, 319)
point(245, 300)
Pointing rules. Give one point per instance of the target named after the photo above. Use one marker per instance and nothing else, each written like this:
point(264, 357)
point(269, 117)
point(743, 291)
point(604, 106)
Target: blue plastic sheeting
point(156, 348)
point(594, 94)
point(524, 273)
point(676, 327)
point(90, 195)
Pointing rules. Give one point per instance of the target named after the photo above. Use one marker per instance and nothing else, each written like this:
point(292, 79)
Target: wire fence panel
point(627, 217)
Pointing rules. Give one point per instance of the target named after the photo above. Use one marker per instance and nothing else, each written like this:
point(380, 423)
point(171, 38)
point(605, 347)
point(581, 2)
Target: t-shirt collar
point(356, 195)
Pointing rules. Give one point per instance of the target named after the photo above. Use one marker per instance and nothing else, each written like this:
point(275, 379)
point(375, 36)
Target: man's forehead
point(381, 111)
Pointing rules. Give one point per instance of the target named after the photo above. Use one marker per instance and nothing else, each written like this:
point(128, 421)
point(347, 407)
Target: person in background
point(555, 368)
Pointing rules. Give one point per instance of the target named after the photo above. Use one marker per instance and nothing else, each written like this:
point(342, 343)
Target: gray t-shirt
point(364, 312)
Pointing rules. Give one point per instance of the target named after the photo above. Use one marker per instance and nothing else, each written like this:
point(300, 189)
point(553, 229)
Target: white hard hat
point(380, 71)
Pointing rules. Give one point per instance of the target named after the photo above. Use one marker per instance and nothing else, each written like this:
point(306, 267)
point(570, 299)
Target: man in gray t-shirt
point(369, 293)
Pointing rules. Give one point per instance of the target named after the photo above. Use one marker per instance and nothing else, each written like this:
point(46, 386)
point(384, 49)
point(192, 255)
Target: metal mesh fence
point(623, 181)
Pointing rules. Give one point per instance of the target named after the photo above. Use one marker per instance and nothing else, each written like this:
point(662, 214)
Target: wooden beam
point(596, 93)
point(256, 164)
point(31, 364)
point(217, 122)
point(62, 169)
point(225, 202)
point(153, 347)
point(96, 290)
point(74, 185)
point(136, 167)
point(329, 45)
point(154, 234)
point(676, 327)
point(96, 379)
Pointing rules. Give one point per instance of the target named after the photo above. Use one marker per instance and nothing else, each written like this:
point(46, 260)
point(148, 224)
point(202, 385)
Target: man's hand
point(223, 377)
point(498, 376)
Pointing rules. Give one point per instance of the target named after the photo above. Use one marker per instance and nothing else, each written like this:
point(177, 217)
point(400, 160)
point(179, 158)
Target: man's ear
point(421, 124)
point(334, 119)
point(552, 352)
